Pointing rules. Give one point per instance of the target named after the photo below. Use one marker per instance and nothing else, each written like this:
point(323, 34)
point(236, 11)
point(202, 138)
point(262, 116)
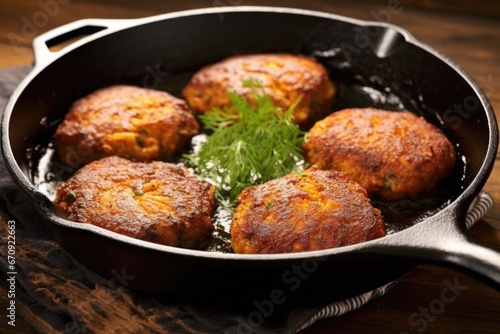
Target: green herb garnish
point(250, 143)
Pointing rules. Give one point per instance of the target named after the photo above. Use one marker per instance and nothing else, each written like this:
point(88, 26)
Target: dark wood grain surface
point(467, 32)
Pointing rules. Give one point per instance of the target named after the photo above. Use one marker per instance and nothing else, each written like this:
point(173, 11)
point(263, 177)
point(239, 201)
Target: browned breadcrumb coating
point(153, 201)
point(127, 121)
point(302, 212)
point(394, 155)
point(284, 77)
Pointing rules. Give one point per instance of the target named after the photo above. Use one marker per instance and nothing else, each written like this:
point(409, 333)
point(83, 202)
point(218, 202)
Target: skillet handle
point(477, 259)
point(85, 29)
point(444, 240)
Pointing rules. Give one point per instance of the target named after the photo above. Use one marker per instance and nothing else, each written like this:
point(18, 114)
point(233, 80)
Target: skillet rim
point(47, 210)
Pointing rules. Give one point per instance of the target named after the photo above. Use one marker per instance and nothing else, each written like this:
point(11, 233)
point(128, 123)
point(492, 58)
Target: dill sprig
point(249, 144)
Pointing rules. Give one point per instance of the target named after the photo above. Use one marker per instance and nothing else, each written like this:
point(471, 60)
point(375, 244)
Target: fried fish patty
point(301, 212)
point(284, 77)
point(127, 121)
point(153, 201)
point(394, 155)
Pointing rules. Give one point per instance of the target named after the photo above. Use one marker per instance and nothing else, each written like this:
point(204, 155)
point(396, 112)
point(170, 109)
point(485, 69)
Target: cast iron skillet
point(383, 61)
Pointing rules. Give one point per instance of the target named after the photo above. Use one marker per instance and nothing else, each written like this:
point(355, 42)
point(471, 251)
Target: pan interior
point(352, 93)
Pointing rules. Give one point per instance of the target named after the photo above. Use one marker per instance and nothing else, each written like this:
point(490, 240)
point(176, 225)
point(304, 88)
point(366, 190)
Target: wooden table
point(468, 33)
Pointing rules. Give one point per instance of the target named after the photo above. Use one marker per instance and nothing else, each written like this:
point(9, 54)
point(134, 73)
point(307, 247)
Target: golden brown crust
point(284, 77)
point(156, 201)
point(302, 212)
point(394, 155)
point(131, 122)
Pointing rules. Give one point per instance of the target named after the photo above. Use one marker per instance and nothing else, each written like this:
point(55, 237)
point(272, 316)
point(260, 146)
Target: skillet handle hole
point(59, 42)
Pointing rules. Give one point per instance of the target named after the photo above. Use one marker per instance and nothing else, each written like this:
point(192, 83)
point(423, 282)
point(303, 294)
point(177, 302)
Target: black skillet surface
point(372, 63)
